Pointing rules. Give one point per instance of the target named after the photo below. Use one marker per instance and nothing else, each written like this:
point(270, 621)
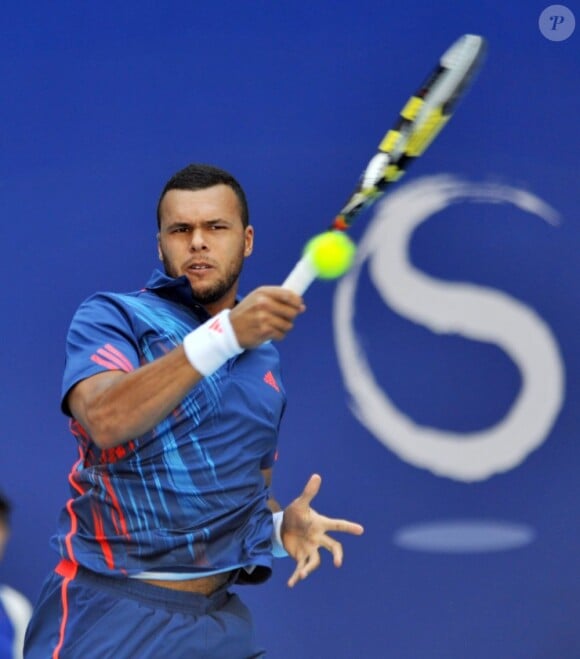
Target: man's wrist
point(210, 346)
point(278, 550)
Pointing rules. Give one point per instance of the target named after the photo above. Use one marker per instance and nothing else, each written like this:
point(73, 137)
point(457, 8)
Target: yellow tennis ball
point(331, 253)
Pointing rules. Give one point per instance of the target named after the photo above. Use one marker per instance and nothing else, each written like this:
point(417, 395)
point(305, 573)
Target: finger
point(305, 567)
point(259, 326)
point(277, 309)
point(280, 326)
point(299, 573)
point(311, 489)
point(266, 301)
point(344, 526)
point(273, 320)
point(294, 578)
point(335, 548)
point(312, 562)
point(276, 331)
point(282, 297)
point(286, 296)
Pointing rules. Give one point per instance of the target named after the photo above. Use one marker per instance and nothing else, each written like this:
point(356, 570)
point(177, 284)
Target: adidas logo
point(271, 380)
point(216, 326)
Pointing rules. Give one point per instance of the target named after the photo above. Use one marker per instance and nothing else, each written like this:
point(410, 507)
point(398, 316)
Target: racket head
point(419, 122)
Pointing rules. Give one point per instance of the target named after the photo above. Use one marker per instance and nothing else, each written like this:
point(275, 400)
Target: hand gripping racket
point(419, 122)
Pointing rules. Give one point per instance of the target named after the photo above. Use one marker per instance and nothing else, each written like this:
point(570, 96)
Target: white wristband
point(212, 344)
point(278, 550)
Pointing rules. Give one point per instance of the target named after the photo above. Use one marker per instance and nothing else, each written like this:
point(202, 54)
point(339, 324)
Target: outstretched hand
point(305, 532)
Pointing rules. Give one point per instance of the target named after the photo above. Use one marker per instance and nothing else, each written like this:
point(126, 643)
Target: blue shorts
point(83, 614)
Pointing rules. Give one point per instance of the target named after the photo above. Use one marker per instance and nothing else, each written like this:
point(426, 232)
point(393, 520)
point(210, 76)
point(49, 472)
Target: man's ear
point(159, 254)
point(249, 239)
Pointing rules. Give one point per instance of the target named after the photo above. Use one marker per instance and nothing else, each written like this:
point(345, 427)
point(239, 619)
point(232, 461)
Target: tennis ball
point(331, 253)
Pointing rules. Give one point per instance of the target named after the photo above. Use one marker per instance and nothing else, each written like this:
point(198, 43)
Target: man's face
point(202, 237)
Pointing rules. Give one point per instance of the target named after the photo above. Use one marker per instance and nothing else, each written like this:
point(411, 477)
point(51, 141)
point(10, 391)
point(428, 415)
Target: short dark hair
point(5, 510)
point(198, 176)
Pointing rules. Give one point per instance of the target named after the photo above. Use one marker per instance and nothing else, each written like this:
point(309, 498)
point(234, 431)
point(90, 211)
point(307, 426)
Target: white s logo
point(481, 314)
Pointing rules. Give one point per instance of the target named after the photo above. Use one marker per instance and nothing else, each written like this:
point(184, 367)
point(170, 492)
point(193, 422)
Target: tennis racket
point(419, 122)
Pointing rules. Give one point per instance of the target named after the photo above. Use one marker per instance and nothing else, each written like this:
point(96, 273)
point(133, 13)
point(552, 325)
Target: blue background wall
point(103, 101)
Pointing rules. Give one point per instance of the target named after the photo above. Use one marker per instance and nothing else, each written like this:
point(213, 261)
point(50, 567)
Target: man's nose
point(198, 241)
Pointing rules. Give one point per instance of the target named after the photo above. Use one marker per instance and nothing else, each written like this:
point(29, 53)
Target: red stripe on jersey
point(102, 539)
point(112, 359)
point(117, 354)
point(69, 571)
point(116, 505)
point(110, 366)
point(69, 508)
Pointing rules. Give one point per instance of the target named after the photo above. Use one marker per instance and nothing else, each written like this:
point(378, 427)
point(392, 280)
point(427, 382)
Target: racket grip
point(302, 275)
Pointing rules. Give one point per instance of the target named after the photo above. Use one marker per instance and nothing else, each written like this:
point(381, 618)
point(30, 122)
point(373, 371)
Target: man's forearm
point(123, 406)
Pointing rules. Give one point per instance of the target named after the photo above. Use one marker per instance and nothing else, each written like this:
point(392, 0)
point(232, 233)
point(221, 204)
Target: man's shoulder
point(114, 298)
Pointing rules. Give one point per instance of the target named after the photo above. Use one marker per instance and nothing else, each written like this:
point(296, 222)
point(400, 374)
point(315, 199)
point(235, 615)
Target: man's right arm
point(115, 407)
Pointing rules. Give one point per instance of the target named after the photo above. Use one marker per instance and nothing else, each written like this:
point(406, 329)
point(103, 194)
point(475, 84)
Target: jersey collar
point(176, 289)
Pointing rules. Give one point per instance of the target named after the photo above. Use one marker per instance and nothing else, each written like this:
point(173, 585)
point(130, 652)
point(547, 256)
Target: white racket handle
point(302, 275)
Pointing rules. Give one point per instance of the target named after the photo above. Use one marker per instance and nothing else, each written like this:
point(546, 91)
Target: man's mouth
point(199, 266)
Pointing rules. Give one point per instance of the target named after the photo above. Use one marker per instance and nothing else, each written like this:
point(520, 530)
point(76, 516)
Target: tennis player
point(175, 398)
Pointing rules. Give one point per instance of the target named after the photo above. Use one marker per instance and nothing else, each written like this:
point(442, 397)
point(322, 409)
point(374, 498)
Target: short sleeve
point(100, 338)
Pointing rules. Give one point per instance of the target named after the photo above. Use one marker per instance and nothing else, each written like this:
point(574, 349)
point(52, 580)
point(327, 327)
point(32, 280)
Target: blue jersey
point(187, 497)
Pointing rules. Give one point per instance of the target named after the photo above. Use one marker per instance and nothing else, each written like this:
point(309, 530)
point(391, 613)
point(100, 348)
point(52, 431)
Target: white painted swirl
point(478, 313)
